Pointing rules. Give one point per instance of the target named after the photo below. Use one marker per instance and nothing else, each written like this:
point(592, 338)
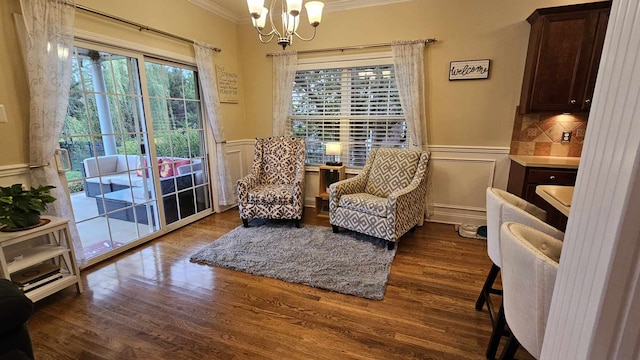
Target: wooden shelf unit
point(58, 249)
point(322, 198)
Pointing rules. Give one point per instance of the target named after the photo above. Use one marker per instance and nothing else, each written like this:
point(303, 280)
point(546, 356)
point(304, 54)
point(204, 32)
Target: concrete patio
point(99, 233)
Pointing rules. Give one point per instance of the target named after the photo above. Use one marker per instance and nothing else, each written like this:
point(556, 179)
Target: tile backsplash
point(541, 134)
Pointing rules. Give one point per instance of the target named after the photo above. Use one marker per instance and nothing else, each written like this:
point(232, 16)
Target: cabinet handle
point(552, 177)
point(573, 101)
point(588, 101)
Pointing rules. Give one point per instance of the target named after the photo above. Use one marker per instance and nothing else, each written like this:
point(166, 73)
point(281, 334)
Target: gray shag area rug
point(346, 262)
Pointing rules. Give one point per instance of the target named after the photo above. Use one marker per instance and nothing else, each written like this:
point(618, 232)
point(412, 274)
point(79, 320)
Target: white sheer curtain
point(408, 61)
point(48, 48)
point(206, 73)
point(284, 74)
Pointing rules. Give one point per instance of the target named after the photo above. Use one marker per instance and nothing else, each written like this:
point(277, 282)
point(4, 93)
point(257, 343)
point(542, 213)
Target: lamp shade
point(255, 7)
point(333, 148)
point(262, 21)
point(314, 12)
point(292, 22)
point(294, 7)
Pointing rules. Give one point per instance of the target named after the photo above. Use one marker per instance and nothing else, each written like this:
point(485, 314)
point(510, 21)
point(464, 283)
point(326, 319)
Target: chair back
point(390, 170)
point(278, 160)
point(505, 207)
point(529, 267)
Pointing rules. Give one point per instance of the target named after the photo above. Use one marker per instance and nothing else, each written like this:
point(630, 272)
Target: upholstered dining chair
point(529, 268)
point(387, 199)
point(505, 207)
point(275, 187)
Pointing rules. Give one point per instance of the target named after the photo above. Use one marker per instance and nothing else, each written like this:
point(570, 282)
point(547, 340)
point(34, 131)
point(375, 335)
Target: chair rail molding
point(239, 157)
point(14, 174)
point(460, 175)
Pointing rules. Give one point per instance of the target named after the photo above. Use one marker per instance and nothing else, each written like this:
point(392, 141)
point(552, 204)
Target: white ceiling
point(236, 10)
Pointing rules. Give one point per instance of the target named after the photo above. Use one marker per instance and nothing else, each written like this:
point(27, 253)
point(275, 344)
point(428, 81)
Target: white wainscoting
point(240, 157)
point(460, 176)
point(14, 174)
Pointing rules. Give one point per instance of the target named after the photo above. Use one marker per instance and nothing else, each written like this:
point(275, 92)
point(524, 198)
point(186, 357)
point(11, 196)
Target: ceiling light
point(290, 19)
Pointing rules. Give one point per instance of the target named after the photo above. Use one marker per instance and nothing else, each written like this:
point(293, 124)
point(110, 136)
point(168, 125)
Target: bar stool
point(529, 268)
point(505, 207)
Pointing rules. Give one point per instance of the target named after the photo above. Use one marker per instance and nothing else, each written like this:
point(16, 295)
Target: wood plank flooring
point(153, 303)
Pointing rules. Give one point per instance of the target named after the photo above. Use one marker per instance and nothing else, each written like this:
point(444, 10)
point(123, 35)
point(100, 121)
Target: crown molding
point(356, 4)
point(339, 5)
point(218, 10)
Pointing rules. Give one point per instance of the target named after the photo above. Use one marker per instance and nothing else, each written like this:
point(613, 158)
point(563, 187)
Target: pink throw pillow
point(169, 167)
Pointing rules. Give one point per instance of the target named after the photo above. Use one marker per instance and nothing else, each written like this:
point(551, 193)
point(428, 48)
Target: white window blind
point(358, 106)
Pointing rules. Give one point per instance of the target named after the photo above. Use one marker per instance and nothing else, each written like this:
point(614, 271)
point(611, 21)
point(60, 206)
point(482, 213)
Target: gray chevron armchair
point(387, 199)
point(275, 187)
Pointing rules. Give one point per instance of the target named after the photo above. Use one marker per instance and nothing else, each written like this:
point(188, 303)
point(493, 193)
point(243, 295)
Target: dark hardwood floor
point(153, 303)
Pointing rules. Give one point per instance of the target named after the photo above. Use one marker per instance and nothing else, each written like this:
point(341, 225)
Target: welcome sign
point(469, 70)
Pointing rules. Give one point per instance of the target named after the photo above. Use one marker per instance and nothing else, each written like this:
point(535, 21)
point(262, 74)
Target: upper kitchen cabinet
point(565, 45)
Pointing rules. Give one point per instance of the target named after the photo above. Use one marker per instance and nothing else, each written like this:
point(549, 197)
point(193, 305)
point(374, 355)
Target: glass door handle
point(63, 162)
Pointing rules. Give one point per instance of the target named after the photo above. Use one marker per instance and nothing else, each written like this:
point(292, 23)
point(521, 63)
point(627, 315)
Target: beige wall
point(14, 94)
point(179, 17)
point(470, 113)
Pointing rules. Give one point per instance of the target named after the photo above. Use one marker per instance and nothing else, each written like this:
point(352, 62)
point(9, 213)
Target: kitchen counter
point(546, 161)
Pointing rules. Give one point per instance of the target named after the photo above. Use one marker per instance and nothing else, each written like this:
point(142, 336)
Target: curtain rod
point(140, 26)
point(355, 47)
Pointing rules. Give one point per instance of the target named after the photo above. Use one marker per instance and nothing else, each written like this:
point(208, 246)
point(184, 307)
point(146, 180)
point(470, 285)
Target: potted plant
point(21, 208)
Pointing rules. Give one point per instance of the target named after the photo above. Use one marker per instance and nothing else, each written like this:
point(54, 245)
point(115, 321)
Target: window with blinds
point(358, 106)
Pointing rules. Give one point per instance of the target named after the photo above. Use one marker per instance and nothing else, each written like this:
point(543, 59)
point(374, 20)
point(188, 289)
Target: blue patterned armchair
point(387, 199)
point(275, 187)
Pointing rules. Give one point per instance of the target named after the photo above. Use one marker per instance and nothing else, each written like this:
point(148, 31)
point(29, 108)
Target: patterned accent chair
point(275, 187)
point(387, 199)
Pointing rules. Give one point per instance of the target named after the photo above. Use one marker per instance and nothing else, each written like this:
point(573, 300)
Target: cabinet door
point(559, 74)
point(603, 20)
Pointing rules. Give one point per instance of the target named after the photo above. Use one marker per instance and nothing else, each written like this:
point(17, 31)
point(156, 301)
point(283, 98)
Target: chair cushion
point(365, 203)
point(392, 169)
point(271, 194)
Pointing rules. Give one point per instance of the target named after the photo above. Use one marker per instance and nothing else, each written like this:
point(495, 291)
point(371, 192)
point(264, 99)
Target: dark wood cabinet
point(524, 179)
point(565, 45)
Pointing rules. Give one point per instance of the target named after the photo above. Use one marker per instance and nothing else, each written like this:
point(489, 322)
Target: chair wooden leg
point(486, 288)
point(335, 228)
point(498, 330)
point(391, 245)
point(245, 222)
point(510, 348)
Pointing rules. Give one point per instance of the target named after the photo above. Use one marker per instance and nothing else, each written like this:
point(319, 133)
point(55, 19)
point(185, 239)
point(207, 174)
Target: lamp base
point(334, 163)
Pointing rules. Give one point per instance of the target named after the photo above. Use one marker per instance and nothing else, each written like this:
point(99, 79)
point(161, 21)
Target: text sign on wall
point(227, 85)
point(469, 70)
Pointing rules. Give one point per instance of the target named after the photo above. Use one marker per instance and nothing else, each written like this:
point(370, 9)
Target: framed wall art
point(469, 69)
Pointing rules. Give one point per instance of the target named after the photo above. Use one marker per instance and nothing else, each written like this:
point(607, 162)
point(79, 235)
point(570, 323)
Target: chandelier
point(290, 18)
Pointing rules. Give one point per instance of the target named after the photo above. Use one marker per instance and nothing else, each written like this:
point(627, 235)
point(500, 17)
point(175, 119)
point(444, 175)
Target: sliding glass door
point(179, 139)
point(137, 147)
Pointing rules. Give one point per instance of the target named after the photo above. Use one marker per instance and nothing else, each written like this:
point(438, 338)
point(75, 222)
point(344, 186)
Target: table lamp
point(334, 149)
